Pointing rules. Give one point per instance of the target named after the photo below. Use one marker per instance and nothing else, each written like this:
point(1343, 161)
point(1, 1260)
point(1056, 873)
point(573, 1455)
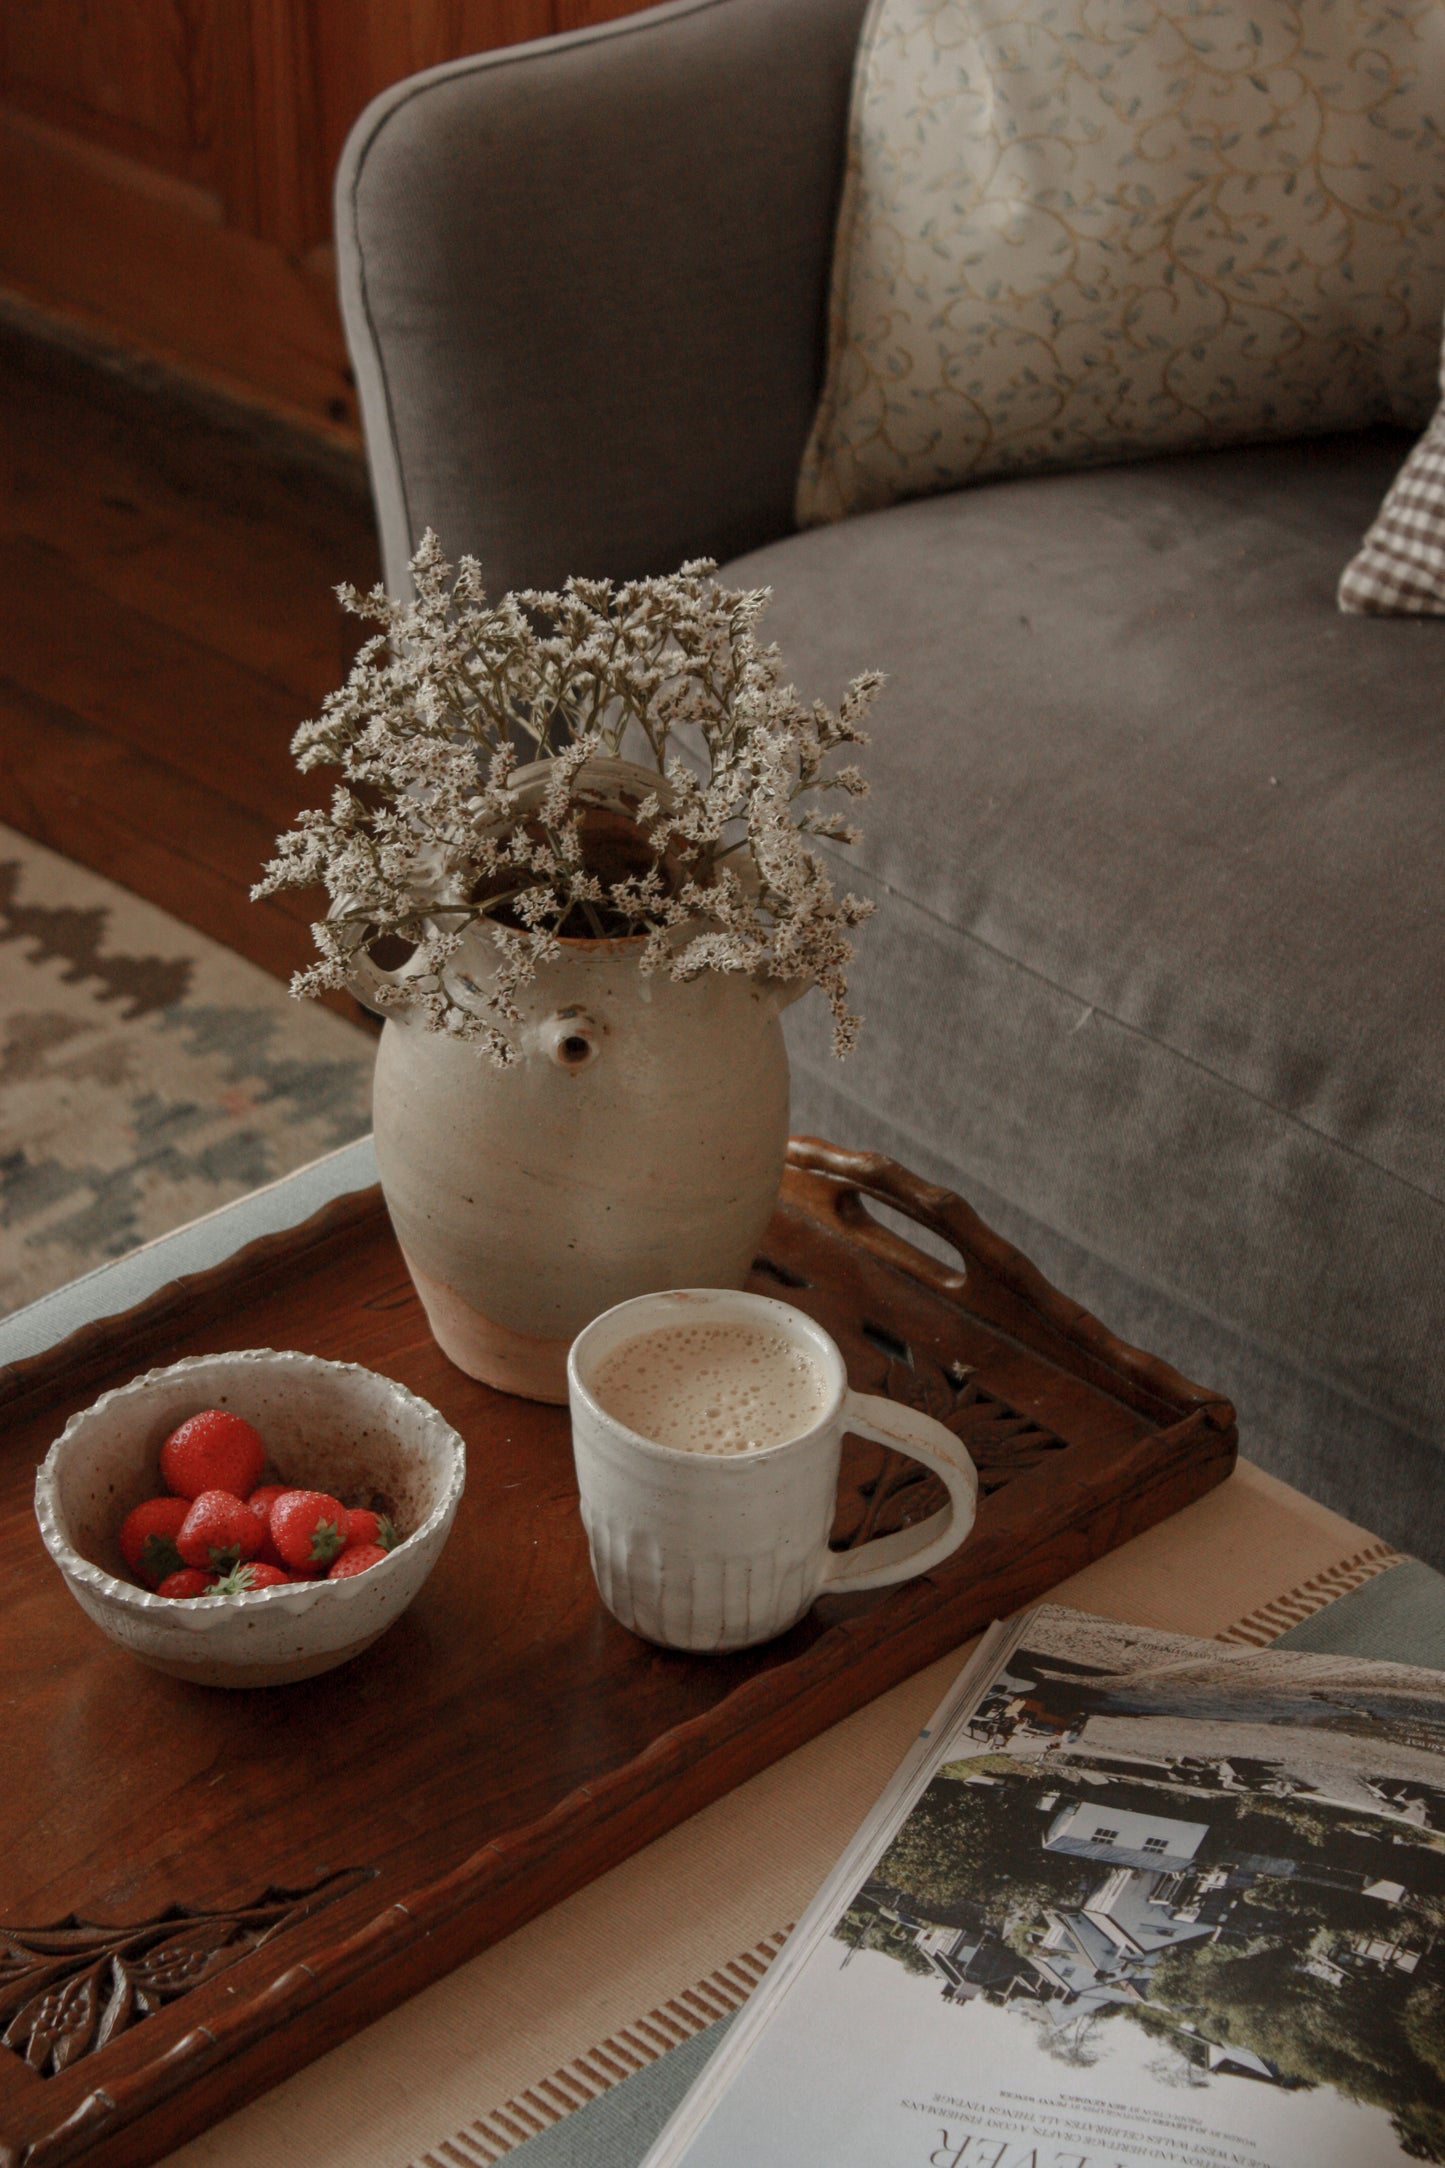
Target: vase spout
point(569, 1038)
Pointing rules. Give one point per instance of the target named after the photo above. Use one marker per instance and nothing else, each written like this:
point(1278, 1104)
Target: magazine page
point(1139, 1900)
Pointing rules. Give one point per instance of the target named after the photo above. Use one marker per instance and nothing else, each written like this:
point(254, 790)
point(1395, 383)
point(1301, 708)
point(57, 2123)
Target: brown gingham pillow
point(1399, 569)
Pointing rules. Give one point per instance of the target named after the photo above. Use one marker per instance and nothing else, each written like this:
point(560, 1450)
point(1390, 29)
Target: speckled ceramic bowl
point(327, 1426)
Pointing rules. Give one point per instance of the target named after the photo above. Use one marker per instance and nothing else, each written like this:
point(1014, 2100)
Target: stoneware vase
point(636, 1144)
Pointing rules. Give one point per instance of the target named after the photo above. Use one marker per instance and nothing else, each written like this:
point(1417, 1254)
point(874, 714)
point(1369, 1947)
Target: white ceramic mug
point(716, 1551)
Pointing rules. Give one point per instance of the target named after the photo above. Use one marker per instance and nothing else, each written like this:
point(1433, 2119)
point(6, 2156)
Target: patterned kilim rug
point(146, 1074)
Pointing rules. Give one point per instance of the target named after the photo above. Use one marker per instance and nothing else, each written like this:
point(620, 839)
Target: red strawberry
point(262, 1500)
point(242, 1579)
point(212, 1451)
point(364, 1526)
point(189, 1581)
point(218, 1532)
point(308, 1529)
point(356, 1560)
point(148, 1538)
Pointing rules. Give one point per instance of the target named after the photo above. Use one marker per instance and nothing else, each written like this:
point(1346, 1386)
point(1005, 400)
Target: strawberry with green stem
point(218, 1532)
point(148, 1538)
point(364, 1526)
point(309, 1529)
point(243, 1579)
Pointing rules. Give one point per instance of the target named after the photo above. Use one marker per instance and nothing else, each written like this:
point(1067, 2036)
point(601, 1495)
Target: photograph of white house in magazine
point(1158, 1902)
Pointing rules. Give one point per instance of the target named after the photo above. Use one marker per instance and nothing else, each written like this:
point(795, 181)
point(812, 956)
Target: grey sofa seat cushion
point(1158, 838)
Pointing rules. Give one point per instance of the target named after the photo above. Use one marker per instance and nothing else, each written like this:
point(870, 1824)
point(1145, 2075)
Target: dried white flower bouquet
point(435, 830)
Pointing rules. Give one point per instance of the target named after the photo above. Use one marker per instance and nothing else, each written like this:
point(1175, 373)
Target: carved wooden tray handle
point(997, 1281)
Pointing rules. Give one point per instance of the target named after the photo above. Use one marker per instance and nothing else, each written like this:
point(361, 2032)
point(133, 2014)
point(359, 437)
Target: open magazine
point(1131, 1900)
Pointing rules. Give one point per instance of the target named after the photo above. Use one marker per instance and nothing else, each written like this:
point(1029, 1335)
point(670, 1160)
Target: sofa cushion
point(1158, 838)
point(1399, 569)
point(1087, 230)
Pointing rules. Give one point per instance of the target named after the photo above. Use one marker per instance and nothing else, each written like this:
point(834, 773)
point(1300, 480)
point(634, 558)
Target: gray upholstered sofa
point(1158, 837)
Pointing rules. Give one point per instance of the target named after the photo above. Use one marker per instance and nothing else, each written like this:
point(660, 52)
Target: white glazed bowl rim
point(202, 1612)
point(743, 1301)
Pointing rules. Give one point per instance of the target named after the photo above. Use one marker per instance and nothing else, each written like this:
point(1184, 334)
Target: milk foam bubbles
point(713, 1387)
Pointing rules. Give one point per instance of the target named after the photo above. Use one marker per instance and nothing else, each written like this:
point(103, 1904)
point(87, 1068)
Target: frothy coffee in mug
point(713, 1388)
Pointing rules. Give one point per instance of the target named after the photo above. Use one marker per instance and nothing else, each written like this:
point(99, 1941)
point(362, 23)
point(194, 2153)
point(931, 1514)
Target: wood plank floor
point(166, 620)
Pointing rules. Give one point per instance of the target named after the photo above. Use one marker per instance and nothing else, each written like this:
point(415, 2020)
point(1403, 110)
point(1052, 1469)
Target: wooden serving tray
point(202, 1890)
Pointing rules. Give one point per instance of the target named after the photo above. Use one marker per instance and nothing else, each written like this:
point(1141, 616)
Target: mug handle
point(911, 1550)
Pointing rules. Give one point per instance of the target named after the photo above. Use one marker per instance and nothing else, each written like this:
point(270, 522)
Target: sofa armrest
point(584, 284)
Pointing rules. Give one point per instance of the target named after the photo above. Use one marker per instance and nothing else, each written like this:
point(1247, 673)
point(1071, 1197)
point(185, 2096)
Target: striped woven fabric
point(1272, 1619)
point(1399, 569)
point(492, 2136)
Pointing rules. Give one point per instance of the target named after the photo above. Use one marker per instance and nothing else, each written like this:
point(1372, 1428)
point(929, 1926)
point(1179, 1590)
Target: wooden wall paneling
point(147, 261)
point(138, 77)
point(280, 179)
point(166, 168)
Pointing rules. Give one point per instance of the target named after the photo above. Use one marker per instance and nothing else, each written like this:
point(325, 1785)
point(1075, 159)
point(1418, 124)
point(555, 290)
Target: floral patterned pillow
point(1083, 230)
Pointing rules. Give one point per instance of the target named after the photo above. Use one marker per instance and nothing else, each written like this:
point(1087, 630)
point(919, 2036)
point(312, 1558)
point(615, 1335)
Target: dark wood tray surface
point(203, 1890)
